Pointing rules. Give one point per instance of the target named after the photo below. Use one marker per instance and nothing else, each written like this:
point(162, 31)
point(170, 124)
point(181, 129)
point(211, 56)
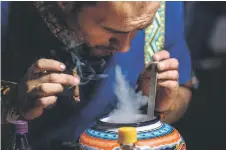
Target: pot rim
point(102, 124)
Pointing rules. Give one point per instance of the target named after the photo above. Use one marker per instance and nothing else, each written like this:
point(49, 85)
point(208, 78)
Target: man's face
point(109, 27)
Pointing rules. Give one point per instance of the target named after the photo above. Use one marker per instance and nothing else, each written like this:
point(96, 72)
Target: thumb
point(33, 113)
point(163, 100)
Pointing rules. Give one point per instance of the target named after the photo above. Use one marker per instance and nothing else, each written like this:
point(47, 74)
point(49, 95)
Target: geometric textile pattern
point(155, 35)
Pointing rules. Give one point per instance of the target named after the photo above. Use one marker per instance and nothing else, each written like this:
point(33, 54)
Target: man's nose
point(124, 42)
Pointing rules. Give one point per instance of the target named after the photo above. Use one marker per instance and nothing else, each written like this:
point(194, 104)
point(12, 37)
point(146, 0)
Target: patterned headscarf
point(74, 43)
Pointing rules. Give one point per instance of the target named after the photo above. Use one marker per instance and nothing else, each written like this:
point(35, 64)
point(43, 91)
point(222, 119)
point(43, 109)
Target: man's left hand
point(167, 75)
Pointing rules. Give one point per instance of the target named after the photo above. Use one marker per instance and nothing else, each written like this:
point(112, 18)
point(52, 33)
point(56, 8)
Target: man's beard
point(98, 63)
point(87, 53)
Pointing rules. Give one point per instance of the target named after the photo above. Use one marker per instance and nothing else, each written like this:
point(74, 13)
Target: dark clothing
point(28, 40)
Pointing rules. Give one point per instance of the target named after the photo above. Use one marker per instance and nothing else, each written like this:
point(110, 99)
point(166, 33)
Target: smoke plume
point(129, 102)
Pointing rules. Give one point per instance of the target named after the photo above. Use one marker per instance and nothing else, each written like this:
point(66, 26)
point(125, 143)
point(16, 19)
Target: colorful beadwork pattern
point(163, 137)
point(162, 131)
point(155, 35)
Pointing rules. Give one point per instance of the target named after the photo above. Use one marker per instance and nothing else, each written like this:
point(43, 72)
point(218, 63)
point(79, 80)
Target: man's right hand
point(42, 82)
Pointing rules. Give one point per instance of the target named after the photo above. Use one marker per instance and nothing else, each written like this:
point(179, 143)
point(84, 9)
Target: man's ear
point(66, 6)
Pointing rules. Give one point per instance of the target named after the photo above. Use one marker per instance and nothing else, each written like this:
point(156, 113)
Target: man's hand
point(42, 82)
point(167, 76)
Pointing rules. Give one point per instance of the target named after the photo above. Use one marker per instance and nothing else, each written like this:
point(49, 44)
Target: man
point(51, 38)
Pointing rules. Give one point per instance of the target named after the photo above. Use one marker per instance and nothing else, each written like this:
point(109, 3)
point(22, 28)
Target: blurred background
point(204, 124)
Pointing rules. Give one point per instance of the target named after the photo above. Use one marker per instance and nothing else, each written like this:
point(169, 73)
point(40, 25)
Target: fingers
point(165, 74)
point(47, 65)
point(43, 87)
point(40, 104)
point(64, 79)
point(46, 101)
point(161, 55)
point(46, 89)
point(169, 84)
point(162, 104)
point(33, 113)
point(169, 64)
point(168, 75)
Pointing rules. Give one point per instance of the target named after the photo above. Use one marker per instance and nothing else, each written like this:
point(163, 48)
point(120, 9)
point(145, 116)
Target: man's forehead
point(132, 8)
point(129, 9)
point(128, 14)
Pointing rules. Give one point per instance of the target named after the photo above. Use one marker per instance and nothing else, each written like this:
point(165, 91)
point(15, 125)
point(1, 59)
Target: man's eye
point(115, 31)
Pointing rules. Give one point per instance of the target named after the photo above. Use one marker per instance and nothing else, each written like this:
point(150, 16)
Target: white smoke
point(129, 102)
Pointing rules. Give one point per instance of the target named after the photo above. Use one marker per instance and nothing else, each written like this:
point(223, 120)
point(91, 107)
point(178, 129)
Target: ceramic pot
point(151, 135)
